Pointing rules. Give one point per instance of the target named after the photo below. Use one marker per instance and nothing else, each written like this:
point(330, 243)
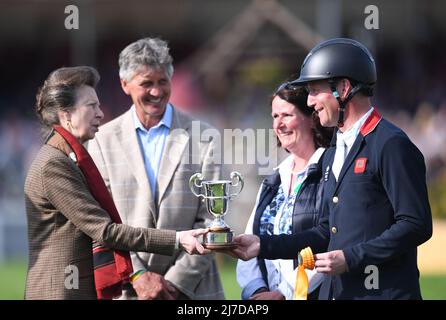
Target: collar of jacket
point(274, 181)
point(368, 126)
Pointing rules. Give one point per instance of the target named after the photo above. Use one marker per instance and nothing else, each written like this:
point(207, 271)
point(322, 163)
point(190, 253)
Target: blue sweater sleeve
point(286, 246)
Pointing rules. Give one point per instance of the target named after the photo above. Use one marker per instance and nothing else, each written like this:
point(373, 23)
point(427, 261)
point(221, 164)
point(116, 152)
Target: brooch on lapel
point(327, 173)
point(72, 156)
point(360, 164)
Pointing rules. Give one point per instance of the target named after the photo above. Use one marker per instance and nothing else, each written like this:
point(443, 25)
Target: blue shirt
point(152, 143)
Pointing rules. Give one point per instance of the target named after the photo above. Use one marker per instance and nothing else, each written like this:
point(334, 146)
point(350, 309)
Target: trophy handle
point(195, 181)
point(239, 180)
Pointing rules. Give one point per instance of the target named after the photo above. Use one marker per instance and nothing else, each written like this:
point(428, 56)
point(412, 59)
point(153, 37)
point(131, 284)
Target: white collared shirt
point(350, 135)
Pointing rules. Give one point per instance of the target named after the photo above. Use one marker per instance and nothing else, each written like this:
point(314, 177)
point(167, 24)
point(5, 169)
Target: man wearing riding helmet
point(376, 209)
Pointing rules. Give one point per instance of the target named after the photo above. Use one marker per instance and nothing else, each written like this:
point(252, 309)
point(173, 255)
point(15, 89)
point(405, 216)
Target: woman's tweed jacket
point(63, 221)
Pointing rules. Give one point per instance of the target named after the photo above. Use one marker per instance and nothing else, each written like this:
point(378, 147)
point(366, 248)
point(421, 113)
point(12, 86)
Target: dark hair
point(58, 93)
point(297, 96)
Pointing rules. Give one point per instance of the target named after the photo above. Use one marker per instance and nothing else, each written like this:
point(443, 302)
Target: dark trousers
point(314, 295)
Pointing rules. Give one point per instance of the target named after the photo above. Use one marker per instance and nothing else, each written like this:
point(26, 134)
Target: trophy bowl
point(216, 194)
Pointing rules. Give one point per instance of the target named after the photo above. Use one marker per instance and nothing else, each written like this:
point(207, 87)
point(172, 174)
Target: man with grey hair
point(146, 157)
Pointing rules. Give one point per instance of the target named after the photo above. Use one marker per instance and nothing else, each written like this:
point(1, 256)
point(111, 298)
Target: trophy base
point(219, 239)
point(219, 246)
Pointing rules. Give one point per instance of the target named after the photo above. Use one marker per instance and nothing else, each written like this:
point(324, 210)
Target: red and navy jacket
point(377, 212)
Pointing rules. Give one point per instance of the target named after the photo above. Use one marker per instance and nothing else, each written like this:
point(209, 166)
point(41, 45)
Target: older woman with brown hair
point(69, 208)
point(289, 199)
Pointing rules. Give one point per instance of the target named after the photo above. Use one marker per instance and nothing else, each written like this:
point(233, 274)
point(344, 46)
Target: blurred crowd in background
point(226, 67)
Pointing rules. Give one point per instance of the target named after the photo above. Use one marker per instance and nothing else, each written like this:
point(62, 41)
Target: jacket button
point(335, 199)
point(334, 230)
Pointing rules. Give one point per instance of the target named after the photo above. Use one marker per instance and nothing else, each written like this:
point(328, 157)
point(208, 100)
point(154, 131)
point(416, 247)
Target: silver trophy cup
point(217, 195)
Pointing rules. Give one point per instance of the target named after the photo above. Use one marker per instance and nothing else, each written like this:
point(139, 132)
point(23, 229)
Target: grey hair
point(58, 93)
point(146, 52)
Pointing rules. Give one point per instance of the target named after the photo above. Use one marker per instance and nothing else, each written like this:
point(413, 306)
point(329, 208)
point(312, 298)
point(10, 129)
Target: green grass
point(12, 280)
point(433, 287)
point(226, 266)
point(13, 273)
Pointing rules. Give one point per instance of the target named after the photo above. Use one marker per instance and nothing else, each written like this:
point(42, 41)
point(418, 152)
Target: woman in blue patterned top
point(288, 200)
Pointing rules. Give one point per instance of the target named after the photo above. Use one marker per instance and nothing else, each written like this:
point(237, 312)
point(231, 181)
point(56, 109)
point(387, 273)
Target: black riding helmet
point(339, 58)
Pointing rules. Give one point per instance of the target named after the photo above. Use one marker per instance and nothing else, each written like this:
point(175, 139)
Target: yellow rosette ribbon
point(305, 261)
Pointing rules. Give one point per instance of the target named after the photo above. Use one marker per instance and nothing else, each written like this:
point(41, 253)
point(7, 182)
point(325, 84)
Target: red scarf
point(111, 267)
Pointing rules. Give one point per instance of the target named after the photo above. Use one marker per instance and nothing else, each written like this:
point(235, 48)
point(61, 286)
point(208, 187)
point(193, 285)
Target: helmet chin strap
point(343, 104)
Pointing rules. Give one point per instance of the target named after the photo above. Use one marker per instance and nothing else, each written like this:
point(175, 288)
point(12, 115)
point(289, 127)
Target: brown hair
point(297, 96)
point(58, 93)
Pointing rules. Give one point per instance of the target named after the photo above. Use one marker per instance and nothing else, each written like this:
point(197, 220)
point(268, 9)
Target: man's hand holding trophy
point(216, 195)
